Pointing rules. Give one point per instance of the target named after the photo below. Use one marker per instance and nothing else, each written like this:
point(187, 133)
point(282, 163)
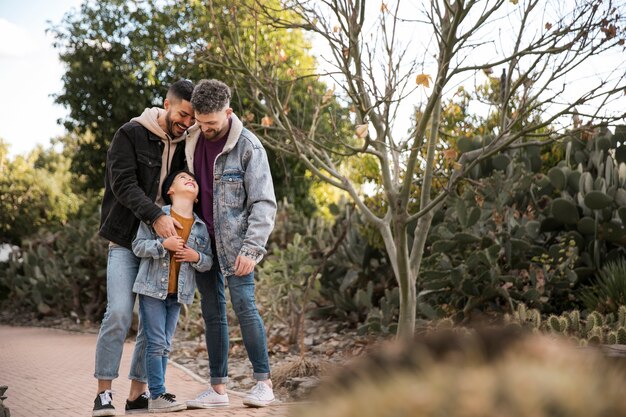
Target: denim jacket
point(154, 269)
point(244, 205)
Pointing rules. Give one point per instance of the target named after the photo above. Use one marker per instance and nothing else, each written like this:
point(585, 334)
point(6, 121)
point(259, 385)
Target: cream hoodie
point(149, 119)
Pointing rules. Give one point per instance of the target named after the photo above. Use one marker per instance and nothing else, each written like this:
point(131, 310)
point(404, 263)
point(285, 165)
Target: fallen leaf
point(423, 79)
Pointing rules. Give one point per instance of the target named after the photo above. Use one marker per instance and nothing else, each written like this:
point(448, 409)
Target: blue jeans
point(159, 323)
point(213, 300)
point(122, 267)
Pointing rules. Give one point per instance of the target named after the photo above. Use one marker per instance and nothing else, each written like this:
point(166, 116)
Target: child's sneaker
point(165, 403)
point(209, 399)
point(103, 404)
point(139, 403)
point(261, 395)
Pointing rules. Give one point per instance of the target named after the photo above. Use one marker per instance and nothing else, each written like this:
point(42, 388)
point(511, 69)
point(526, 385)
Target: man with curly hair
point(238, 205)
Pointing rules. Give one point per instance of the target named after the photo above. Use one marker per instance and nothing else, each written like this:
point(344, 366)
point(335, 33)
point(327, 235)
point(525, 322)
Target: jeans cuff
point(261, 376)
point(142, 379)
point(105, 377)
point(217, 380)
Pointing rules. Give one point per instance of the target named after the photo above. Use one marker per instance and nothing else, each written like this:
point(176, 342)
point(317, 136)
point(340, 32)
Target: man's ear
point(229, 111)
point(166, 104)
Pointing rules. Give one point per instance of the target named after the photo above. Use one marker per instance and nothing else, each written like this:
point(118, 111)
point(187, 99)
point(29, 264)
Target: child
point(166, 278)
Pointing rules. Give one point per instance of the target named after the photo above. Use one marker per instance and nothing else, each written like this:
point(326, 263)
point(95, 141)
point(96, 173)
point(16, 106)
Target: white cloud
point(16, 41)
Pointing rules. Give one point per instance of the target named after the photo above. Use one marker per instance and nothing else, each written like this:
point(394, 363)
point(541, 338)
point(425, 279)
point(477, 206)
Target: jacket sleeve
point(261, 205)
point(147, 244)
point(206, 258)
point(122, 172)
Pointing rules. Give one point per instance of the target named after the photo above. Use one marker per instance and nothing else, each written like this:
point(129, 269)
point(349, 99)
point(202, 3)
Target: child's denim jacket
point(154, 269)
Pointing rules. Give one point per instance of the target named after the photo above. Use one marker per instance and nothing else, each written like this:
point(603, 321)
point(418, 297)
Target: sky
point(29, 73)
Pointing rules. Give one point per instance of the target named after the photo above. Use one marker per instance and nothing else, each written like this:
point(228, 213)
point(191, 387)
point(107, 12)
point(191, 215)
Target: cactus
point(597, 200)
point(595, 337)
point(565, 211)
point(621, 316)
point(574, 320)
point(594, 320)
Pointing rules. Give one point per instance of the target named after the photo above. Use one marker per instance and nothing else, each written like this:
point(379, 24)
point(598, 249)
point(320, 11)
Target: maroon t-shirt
point(203, 164)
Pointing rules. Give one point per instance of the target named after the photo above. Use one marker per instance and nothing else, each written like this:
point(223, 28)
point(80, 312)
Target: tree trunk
point(406, 282)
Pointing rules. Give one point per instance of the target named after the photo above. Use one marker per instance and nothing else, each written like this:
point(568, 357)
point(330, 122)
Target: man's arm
point(146, 246)
point(261, 204)
point(121, 169)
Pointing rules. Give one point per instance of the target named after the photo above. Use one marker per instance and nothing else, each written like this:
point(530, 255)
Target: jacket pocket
point(148, 172)
point(232, 187)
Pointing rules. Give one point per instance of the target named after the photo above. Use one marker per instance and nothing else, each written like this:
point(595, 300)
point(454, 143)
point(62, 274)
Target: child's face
point(184, 184)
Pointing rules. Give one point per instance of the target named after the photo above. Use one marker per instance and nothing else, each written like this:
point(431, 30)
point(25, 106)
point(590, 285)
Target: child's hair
point(167, 183)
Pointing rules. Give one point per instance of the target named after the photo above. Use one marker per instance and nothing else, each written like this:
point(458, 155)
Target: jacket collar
point(168, 211)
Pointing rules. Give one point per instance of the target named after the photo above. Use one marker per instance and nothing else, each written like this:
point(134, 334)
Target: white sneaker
point(165, 403)
point(261, 395)
point(209, 399)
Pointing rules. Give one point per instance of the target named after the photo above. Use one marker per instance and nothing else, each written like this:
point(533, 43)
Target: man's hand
point(165, 226)
point(244, 265)
point(186, 254)
point(174, 243)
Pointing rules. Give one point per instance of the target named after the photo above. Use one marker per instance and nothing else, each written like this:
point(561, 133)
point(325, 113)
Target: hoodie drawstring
point(167, 164)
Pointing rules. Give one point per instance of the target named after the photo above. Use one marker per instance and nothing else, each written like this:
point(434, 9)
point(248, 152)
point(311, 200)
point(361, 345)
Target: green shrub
point(608, 290)
point(59, 272)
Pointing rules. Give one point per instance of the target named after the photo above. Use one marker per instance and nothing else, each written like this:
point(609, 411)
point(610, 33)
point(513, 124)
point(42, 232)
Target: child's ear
point(170, 192)
point(196, 200)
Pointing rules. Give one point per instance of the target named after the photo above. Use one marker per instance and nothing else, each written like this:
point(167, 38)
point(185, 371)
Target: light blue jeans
point(213, 301)
point(122, 267)
point(159, 324)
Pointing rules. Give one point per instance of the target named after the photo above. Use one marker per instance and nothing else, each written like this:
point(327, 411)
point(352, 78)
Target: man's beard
point(170, 126)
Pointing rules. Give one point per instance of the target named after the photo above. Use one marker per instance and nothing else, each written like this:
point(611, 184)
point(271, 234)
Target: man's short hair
point(210, 96)
point(180, 90)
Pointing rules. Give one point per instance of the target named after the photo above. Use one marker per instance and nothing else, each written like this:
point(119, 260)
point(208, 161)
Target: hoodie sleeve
point(122, 172)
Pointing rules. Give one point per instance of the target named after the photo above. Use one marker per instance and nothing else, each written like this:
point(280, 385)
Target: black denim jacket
point(133, 169)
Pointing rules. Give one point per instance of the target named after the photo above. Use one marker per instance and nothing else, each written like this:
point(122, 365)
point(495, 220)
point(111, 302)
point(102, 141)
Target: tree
point(120, 57)
point(35, 191)
point(374, 53)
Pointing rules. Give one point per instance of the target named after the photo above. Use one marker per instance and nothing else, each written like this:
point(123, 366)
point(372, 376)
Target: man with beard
point(237, 204)
point(142, 153)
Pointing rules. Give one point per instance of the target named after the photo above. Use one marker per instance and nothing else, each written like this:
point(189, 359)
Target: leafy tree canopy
point(35, 190)
point(120, 57)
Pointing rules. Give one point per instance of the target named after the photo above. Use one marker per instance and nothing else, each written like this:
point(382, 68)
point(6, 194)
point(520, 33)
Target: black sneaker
point(139, 403)
point(103, 404)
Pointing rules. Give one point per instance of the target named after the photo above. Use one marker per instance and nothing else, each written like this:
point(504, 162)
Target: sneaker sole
point(198, 404)
point(137, 410)
point(179, 407)
point(257, 404)
point(103, 413)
